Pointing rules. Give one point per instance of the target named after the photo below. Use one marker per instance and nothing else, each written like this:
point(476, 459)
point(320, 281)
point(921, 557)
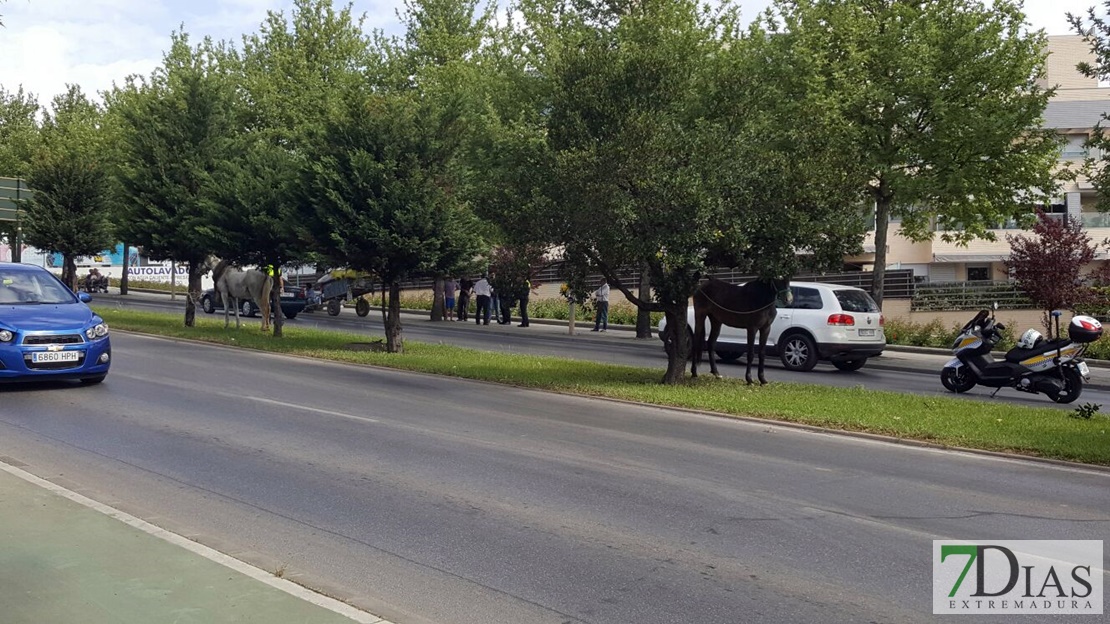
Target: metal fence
point(958, 296)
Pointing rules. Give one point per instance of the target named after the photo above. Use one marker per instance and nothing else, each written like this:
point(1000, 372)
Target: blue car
point(48, 332)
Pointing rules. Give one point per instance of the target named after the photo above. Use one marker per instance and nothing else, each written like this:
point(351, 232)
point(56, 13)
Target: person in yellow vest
point(281, 280)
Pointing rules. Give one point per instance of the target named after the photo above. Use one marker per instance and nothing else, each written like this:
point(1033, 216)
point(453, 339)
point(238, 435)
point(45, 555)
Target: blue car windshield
point(32, 287)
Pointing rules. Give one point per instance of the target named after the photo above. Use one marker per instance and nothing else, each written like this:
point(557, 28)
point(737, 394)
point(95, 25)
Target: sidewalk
point(62, 561)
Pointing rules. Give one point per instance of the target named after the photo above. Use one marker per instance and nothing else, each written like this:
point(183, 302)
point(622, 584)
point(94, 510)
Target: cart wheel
point(333, 307)
point(362, 307)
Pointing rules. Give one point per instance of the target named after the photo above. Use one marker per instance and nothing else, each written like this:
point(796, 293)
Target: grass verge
point(994, 426)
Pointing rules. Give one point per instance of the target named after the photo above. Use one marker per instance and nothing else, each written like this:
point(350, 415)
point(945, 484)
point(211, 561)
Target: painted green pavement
point(62, 562)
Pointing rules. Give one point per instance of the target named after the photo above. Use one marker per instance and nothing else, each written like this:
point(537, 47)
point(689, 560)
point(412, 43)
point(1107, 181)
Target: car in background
point(46, 331)
point(839, 324)
point(293, 302)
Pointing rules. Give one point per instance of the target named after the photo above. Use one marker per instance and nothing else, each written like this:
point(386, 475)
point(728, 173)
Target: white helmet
point(1030, 339)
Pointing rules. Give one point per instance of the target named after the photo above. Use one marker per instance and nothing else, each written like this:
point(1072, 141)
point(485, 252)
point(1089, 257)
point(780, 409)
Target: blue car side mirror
point(84, 297)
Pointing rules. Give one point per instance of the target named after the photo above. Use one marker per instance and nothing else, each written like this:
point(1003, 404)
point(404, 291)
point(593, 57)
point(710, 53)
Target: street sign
point(12, 191)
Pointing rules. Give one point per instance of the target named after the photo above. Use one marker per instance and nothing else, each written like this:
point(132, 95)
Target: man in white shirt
point(601, 319)
point(481, 296)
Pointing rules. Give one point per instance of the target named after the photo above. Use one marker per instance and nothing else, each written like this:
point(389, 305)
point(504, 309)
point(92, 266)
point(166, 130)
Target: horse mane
point(219, 270)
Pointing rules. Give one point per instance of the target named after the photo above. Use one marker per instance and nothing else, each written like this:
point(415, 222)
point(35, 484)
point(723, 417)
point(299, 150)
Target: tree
point(1047, 265)
point(624, 153)
point(176, 128)
point(377, 190)
point(943, 102)
point(288, 75)
point(67, 211)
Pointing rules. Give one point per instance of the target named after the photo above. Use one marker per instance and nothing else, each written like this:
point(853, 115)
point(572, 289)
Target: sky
point(47, 44)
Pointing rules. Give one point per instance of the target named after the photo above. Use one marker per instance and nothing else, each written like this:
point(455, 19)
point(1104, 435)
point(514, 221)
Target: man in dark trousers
point(524, 292)
point(465, 286)
point(481, 294)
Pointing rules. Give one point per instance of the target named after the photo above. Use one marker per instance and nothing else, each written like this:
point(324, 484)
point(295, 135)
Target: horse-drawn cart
point(335, 290)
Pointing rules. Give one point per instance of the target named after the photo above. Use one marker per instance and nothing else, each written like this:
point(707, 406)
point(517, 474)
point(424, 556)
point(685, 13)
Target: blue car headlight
point(97, 331)
point(6, 336)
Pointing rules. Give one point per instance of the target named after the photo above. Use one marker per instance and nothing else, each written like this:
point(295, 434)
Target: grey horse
point(234, 284)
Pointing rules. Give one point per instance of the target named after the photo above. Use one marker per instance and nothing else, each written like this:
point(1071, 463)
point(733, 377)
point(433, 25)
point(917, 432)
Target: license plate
point(866, 332)
point(43, 357)
point(1083, 370)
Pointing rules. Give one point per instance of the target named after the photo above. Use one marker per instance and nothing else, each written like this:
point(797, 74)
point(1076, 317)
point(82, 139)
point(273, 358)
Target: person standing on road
point(601, 318)
point(482, 294)
point(524, 292)
point(450, 285)
point(465, 286)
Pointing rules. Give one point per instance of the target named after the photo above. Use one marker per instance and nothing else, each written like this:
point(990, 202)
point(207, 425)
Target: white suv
point(841, 324)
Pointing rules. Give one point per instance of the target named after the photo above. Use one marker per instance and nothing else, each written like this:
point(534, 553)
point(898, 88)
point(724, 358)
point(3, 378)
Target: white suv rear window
point(856, 301)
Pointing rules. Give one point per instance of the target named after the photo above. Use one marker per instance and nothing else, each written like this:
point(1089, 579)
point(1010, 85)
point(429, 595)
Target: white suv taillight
point(841, 319)
point(882, 320)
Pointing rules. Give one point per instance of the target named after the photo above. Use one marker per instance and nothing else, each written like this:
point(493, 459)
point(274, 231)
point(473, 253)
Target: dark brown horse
point(751, 306)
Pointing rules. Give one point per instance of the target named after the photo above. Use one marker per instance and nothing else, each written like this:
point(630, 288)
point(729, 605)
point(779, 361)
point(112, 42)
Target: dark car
point(292, 302)
point(47, 331)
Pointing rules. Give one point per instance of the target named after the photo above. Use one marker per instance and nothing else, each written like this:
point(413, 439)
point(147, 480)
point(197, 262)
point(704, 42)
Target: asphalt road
point(605, 348)
point(428, 499)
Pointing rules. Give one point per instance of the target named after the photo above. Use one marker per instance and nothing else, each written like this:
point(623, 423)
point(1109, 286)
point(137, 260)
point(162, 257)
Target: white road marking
point(303, 407)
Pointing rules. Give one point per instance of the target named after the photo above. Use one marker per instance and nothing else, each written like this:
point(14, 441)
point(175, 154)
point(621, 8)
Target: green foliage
point(941, 104)
point(175, 129)
point(955, 296)
point(1094, 27)
point(934, 334)
point(1086, 410)
point(19, 131)
point(375, 188)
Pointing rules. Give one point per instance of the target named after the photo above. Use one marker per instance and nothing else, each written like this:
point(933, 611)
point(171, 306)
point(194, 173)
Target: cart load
point(345, 285)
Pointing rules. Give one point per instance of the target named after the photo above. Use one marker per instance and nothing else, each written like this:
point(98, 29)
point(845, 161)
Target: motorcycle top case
point(1084, 329)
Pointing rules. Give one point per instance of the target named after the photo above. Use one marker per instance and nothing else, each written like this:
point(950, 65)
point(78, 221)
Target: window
point(806, 298)
point(980, 273)
point(1074, 149)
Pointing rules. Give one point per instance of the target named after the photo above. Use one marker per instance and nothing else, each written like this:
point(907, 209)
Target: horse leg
point(711, 351)
point(763, 331)
point(751, 348)
point(227, 309)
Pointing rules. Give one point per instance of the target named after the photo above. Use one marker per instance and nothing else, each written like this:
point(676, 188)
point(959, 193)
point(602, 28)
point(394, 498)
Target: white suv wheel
point(798, 353)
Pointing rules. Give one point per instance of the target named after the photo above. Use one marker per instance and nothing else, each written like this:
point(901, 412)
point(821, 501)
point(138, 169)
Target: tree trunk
point(882, 224)
point(194, 292)
point(643, 317)
point(69, 271)
point(393, 341)
point(126, 269)
point(570, 319)
point(677, 345)
point(438, 310)
point(275, 303)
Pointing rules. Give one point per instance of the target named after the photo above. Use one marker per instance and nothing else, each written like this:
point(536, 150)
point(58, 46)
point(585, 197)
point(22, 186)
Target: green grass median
point(988, 425)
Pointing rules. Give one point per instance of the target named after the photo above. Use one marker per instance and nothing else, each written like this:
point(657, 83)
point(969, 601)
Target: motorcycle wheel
point(957, 380)
point(1073, 387)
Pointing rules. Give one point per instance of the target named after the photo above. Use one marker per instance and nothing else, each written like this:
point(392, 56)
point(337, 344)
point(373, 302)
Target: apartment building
point(1074, 111)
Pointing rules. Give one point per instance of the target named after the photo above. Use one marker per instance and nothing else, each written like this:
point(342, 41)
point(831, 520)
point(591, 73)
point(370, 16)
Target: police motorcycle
point(1035, 365)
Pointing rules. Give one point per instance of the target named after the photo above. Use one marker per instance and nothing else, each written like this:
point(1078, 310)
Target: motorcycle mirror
point(994, 306)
